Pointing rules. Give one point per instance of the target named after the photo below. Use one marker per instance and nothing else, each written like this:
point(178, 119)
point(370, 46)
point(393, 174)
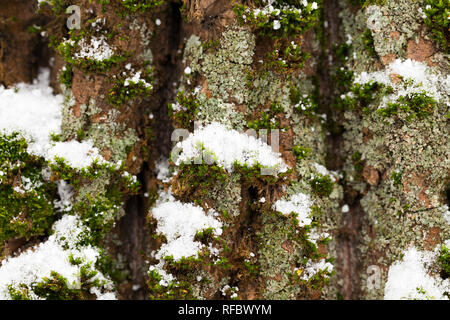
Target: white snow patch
point(409, 278)
point(312, 268)
point(53, 255)
point(180, 222)
point(96, 49)
point(300, 204)
point(35, 113)
point(424, 80)
point(162, 170)
point(227, 147)
point(76, 154)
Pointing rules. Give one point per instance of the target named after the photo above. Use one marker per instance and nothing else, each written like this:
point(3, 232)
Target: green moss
point(286, 57)
point(363, 96)
point(444, 262)
point(67, 50)
point(366, 2)
point(358, 164)
point(396, 178)
point(341, 51)
point(223, 263)
point(121, 93)
point(301, 152)
point(176, 290)
point(322, 186)
point(415, 105)
point(293, 22)
point(201, 176)
point(252, 268)
point(58, 6)
point(369, 43)
point(127, 7)
point(57, 287)
point(189, 106)
point(267, 118)
point(66, 76)
point(437, 12)
point(26, 199)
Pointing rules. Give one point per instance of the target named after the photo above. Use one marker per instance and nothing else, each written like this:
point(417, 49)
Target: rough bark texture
point(391, 172)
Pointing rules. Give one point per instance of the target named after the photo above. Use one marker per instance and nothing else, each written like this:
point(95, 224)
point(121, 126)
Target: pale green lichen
point(394, 16)
point(225, 70)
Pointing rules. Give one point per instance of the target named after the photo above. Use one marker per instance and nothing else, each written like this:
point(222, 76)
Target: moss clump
point(67, 50)
point(140, 5)
point(26, 199)
point(444, 262)
point(368, 42)
point(175, 290)
point(124, 91)
point(396, 178)
point(301, 152)
point(321, 185)
point(126, 7)
point(267, 119)
point(290, 17)
point(184, 111)
point(286, 57)
point(358, 164)
point(366, 2)
point(56, 287)
point(58, 6)
point(362, 96)
point(437, 13)
point(202, 176)
point(66, 76)
point(415, 105)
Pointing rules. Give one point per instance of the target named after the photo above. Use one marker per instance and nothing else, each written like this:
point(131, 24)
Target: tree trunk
point(349, 98)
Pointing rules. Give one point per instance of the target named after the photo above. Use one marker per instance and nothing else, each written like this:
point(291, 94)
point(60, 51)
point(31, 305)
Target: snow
point(300, 204)
point(228, 147)
point(269, 11)
point(75, 154)
point(136, 79)
point(52, 255)
point(162, 170)
point(35, 113)
point(312, 268)
point(65, 192)
point(406, 278)
point(276, 24)
point(96, 49)
point(446, 213)
point(180, 222)
point(424, 79)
